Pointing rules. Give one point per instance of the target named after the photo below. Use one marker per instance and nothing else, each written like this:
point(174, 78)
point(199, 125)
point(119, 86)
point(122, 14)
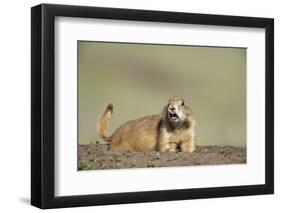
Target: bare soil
point(98, 156)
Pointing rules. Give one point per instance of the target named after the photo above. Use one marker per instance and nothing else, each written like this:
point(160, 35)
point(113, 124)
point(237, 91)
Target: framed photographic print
point(139, 106)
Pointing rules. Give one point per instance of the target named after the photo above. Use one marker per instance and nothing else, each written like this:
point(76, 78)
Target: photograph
point(149, 105)
point(138, 105)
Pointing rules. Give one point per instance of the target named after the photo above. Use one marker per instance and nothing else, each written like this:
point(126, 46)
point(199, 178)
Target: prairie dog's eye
point(182, 103)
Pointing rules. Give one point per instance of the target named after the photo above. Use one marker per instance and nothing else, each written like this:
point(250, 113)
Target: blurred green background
point(138, 80)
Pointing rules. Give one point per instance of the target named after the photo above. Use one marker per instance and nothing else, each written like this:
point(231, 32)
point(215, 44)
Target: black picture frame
point(43, 102)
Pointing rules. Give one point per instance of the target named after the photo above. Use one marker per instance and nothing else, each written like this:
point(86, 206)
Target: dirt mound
point(98, 156)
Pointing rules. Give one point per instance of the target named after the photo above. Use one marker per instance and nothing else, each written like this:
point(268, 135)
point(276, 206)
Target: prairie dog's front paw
point(187, 147)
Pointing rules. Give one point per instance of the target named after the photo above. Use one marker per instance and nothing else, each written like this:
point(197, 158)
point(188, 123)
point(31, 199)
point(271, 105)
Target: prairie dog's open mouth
point(173, 116)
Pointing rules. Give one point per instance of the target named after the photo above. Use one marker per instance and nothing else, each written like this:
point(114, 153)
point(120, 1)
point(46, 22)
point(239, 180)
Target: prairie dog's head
point(177, 111)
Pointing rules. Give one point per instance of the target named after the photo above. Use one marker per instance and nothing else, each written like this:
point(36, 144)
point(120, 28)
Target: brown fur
point(104, 122)
point(154, 132)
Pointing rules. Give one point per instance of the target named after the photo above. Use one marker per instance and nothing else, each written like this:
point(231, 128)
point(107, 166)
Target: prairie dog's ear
point(189, 110)
point(165, 109)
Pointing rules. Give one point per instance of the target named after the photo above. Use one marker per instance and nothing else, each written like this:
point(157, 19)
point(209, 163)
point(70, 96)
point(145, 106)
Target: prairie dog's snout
point(172, 108)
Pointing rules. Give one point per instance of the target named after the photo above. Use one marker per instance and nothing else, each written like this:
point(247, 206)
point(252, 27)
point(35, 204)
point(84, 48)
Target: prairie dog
point(171, 130)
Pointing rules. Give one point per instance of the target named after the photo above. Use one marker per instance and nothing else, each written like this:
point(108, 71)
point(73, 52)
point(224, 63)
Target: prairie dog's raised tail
point(103, 122)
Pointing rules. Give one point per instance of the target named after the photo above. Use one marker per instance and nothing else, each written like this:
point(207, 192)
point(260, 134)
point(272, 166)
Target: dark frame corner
point(42, 105)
